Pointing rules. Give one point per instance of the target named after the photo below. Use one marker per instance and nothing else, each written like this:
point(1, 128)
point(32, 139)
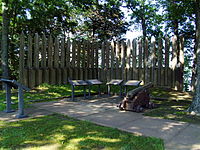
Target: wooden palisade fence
point(54, 60)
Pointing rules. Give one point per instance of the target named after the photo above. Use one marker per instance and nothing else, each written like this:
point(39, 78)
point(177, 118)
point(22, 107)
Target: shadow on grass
point(68, 133)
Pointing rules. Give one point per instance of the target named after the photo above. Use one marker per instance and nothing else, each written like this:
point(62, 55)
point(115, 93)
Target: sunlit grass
point(61, 132)
point(46, 92)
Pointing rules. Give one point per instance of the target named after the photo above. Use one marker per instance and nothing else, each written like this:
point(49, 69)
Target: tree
point(4, 39)
point(195, 106)
point(102, 20)
point(145, 13)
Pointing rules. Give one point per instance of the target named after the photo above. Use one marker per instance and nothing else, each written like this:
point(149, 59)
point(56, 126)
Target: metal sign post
point(8, 85)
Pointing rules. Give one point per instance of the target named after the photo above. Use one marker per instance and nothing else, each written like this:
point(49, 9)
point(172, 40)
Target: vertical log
point(112, 59)
point(181, 61)
point(50, 52)
point(56, 53)
point(118, 72)
point(167, 80)
point(108, 44)
point(97, 60)
point(134, 59)
point(73, 54)
point(123, 52)
point(43, 51)
point(36, 51)
point(84, 60)
point(21, 58)
point(174, 61)
point(128, 63)
point(103, 62)
point(140, 75)
point(153, 61)
point(146, 54)
point(160, 58)
point(63, 53)
point(67, 60)
point(30, 52)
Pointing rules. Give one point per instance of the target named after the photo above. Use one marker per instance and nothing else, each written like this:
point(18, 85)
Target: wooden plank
point(50, 52)
point(107, 52)
point(160, 58)
point(30, 52)
point(167, 46)
point(140, 60)
point(123, 52)
point(56, 53)
point(46, 76)
point(58, 76)
point(44, 51)
point(128, 62)
point(174, 60)
point(65, 75)
point(181, 61)
point(36, 51)
point(21, 58)
point(103, 62)
point(117, 55)
point(146, 56)
point(67, 60)
point(38, 77)
point(52, 76)
point(32, 78)
point(78, 54)
point(73, 54)
point(26, 77)
point(92, 47)
point(153, 61)
point(112, 59)
point(63, 53)
point(134, 58)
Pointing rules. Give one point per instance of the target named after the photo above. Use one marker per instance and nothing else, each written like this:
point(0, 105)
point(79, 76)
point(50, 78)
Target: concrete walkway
point(103, 111)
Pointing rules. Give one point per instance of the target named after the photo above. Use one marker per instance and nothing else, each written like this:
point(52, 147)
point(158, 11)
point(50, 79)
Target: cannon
point(137, 99)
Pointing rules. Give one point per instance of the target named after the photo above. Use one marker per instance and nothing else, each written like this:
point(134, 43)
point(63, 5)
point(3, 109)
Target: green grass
point(61, 132)
point(46, 92)
point(173, 106)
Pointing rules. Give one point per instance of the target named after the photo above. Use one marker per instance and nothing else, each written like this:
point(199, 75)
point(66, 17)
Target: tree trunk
point(195, 106)
point(195, 58)
point(4, 42)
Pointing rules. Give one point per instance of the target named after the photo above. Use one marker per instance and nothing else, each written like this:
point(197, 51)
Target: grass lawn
point(61, 132)
point(172, 105)
point(46, 92)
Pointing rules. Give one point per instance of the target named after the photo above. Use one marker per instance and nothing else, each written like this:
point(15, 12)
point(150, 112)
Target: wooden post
point(146, 55)
point(118, 72)
point(30, 52)
point(160, 58)
point(123, 61)
point(107, 52)
point(36, 51)
point(153, 61)
point(134, 59)
point(103, 62)
point(128, 63)
point(112, 59)
point(181, 61)
point(140, 75)
point(174, 61)
point(63, 53)
point(97, 60)
point(50, 52)
point(167, 80)
point(21, 58)
point(43, 51)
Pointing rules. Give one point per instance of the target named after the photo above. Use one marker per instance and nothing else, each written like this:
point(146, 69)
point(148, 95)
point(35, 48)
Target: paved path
point(103, 111)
